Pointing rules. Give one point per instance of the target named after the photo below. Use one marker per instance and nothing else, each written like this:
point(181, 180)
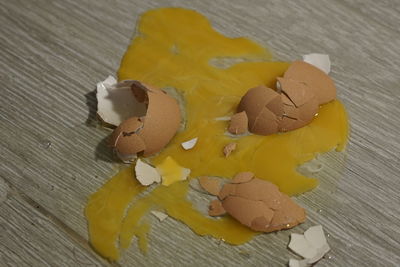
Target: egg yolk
point(178, 48)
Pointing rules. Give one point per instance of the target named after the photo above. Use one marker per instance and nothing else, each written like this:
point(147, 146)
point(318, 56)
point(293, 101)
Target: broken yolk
point(177, 48)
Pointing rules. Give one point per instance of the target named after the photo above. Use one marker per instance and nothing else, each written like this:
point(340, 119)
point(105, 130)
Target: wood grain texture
point(52, 53)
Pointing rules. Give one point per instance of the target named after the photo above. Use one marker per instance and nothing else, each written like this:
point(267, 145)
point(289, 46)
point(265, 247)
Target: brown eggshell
point(242, 177)
point(298, 93)
point(322, 85)
point(259, 204)
point(227, 189)
point(238, 124)
point(266, 123)
point(211, 185)
point(245, 210)
point(262, 105)
point(162, 119)
point(229, 148)
point(290, 214)
point(216, 208)
point(124, 139)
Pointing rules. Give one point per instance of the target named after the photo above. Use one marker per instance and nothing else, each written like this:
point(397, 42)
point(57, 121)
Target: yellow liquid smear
point(174, 48)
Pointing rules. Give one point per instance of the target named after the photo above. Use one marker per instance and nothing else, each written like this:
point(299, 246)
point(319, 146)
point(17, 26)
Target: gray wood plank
point(53, 52)
point(28, 237)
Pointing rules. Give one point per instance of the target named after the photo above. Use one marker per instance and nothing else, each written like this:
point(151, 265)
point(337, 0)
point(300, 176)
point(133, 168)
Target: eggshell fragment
point(125, 139)
point(263, 107)
point(211, 185)
point(146, 174)
point(161, 216)
point(320, 61)
point(300, 104)
point(321, 84)
point(259, 204)
point(216, 208)
point(189, 144)
point(116, 103)
point(242, 177)
point(238, 124)
point(312, 245)
point(229, 148)
point(158, 125)
point(172, 172)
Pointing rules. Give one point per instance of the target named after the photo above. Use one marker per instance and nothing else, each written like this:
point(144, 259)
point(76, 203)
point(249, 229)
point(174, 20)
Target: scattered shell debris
point(255, 203)
point(321, 61)
point(161, 216)
point(146, 174)
point(311, 245)
point(229, 148)
point(295, 103)
point(189, 144)
point(150, 133)
point(171, 172)
point(210, 185)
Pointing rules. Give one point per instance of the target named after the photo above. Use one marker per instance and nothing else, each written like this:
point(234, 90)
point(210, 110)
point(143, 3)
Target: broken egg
point(151, 132)
point(255, 203)
point(311, 245)
point(321, 84)
point(161, 216)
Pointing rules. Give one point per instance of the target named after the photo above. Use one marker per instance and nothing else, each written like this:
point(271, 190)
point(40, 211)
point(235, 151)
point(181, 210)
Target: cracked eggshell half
point(158, 126)
point(116, 103)
point(321, 84)
point(263, 107)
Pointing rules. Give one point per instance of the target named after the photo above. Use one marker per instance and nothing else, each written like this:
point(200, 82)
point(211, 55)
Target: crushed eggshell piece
point(321, 61)
point(225, 118)
point(146, 174)
point(116, 103)
point(312, 245)
point(238, 124)
point(216, 208)
point(229, 148)
point(171, 172)
point(211, 185)
point(189, 144)
point(258, 204)
point(161, 216)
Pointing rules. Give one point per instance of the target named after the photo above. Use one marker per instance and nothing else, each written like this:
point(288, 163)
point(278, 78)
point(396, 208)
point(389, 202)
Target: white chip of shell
point(320, 61)
point(146, 174)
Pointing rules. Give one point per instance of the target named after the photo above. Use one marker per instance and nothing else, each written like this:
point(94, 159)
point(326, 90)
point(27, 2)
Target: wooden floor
point(52, 155)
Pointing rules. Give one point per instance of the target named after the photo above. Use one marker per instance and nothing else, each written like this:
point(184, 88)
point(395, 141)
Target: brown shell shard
point(276, 106)
point(322, 85)
point(238, 124)
point(229, 148)
point(265, 123)
point(227, 190)
point(298, 92)
point(211, 185)
point(246, 210)
point(242, 177)
point(216, 208)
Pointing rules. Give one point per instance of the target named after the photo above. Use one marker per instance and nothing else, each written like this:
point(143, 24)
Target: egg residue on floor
point(175, 48)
